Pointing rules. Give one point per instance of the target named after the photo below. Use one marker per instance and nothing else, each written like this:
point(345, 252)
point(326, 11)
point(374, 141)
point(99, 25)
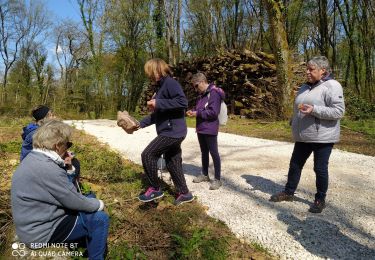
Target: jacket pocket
point(317, 124)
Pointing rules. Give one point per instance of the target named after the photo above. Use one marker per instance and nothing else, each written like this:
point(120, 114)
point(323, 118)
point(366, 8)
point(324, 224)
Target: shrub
point(358, 108)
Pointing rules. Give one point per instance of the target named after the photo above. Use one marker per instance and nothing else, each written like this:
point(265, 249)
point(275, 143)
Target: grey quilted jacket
point(323, 124)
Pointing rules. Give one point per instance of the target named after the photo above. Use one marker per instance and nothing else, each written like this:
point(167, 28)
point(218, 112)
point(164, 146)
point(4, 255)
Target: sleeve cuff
point(101, 207)
point(72, 171)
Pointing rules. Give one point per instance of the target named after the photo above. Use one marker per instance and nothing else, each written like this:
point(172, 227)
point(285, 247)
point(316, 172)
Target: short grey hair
point(50, 134)
point(198, 77)
point(320, 61)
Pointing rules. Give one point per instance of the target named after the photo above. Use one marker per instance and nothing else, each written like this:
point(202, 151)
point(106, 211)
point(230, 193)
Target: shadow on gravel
point(191, 169)
point(268, 186)
point(315, 235)
point(323, 232)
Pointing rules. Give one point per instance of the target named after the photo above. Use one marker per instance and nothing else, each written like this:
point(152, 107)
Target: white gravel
point(252, 170)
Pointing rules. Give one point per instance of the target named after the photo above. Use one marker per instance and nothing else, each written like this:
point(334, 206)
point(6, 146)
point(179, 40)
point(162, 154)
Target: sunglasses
point(69, 144)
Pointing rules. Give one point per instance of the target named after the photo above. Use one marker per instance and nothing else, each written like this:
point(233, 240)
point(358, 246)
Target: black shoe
point(281, 196)
point(318, 206)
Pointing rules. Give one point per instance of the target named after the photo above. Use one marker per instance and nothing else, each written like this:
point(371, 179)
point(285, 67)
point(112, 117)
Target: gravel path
point(252, 170)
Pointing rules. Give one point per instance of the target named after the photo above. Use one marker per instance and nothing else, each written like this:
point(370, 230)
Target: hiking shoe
point(151, 194)
point(281, 196)
point(183, 197)
point(201, 178)
point(215, 184)
point(318, 206)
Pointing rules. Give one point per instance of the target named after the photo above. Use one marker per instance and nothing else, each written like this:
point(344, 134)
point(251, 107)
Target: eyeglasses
point(69, 144)
point(196, 85)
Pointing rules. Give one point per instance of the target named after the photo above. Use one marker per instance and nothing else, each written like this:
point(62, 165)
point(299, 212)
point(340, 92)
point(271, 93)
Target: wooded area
point(99, 59)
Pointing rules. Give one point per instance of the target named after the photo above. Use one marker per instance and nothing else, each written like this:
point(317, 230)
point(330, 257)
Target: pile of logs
point(248, 79)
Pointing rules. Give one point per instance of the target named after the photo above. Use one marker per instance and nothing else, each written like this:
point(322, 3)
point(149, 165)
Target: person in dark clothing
point(41, 114)
point(207, 126)
point(168, 114)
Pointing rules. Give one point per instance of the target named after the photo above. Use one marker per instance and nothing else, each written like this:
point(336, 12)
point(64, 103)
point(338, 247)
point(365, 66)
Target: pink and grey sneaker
point(151, 194)
point(183, 197)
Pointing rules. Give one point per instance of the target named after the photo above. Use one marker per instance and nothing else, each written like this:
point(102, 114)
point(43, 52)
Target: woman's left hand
point(151, 104)
point(191, 113)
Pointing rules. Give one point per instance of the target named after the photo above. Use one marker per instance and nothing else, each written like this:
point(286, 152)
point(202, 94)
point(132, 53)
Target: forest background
point(95, 68)
point(98, 60)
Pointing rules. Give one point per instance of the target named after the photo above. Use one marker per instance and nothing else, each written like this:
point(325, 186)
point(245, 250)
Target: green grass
point(366, 127)
point(137, 230)
point(157, 230)
point(357, 136)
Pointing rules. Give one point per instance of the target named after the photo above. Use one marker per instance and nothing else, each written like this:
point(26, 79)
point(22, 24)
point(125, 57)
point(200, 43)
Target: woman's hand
point(191, 113)
point(305, 108)
point(151, 104)
point(68, 160)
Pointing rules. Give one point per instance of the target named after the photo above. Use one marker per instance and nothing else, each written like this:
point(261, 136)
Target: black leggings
point(171, 148)
point(208, 144)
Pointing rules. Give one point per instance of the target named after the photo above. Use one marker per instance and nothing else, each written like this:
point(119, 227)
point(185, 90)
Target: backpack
point(223, 114)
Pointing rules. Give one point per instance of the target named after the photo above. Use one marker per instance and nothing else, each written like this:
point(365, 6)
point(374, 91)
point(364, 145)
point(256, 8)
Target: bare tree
point(19, 26)
point(38, 60)
point(94, 18)
point(71, 48)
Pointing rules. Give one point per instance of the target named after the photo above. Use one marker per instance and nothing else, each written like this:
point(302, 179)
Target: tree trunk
point(178, 30)
point(282, 55)
point(323, 28)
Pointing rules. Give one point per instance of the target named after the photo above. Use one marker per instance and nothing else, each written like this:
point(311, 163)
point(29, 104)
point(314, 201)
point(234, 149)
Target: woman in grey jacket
point(46, 206)
point(318, 108)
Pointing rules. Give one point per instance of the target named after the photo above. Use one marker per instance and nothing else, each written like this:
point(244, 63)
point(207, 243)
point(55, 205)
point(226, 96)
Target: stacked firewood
point(248, 79)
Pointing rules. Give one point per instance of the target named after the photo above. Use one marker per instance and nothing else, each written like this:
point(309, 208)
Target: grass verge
point(137, 230)
point(356, 136)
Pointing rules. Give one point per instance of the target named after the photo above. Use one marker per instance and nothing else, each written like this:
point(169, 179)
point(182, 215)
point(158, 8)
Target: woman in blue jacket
point(168, 107)
point(42, 113)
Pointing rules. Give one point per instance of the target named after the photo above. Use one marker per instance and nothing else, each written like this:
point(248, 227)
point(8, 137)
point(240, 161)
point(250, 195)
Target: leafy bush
point(359, 108)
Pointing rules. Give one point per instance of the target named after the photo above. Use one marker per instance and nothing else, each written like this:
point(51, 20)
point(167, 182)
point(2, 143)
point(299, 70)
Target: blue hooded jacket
point(27, 137)
point(169, 113)
point(208, 109)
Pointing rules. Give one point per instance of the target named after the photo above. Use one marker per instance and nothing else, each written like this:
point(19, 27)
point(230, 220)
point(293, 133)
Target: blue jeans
point(301, 153)
point(94, 228)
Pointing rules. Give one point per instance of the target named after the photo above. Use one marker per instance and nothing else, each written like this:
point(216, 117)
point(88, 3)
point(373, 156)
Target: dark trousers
point(301, 153)
point(171, 148)
point(208, 144)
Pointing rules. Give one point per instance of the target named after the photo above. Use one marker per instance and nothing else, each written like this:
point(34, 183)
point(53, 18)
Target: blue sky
point(63, 9)
point(60, 10)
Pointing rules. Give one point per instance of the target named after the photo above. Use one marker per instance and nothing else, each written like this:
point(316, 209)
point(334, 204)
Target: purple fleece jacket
point(169, 113)
point(207, 115)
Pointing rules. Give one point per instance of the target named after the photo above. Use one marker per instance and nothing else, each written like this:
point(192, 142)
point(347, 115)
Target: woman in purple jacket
point(207, 126)
point(168, 107)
